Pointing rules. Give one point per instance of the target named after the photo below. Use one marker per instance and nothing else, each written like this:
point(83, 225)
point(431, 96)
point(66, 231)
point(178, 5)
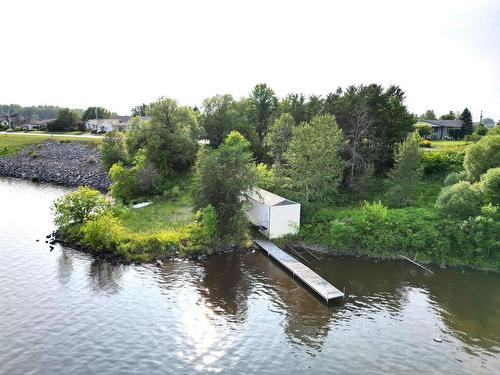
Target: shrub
point(406, 173)
point(481, 130)
point(481, 156)
point(454, 177)
point(494, 131)
point(437, 162)
point(490, 186)
point(472, 137)
point(112, 149)
point(484, 230)
point(426, 143)
point(102, 233)
point(124, 183)
point(78, 206)
point(423, 129)
point(34, 154)
point(461, 200)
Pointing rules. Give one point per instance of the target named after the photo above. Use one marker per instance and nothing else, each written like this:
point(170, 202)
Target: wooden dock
point(322, 287)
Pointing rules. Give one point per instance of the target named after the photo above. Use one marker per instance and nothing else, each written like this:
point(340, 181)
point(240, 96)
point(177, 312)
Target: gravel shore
point(65, 163)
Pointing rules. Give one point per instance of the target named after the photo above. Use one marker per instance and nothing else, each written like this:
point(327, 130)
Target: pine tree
point(467, 126)
point(406, 173)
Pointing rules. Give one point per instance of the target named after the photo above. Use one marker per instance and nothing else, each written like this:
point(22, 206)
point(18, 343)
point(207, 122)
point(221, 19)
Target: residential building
point(441, 128)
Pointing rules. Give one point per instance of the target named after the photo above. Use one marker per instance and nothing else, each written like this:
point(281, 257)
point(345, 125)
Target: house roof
point(444, 123)
point(268, 198)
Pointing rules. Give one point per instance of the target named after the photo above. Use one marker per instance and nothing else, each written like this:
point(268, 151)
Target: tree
point(406, 173)
point(218, 118)
point(67, 120)
point(428, 115)
point(96, 113)
point(449, 116)
point(295, 105)
point(279, 136)
point(481, 130)
point(467, 126)
point(77, 206)
point(423, 129)
point(313, 168)
point(263, 106)
point(140, 110)
point(385, 107)
point(224, 177)
point(170, 137)
point(358, 131)
point(314, 106)
point(112, 149)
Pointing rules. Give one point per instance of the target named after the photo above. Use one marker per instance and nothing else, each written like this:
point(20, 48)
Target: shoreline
point(70, 164)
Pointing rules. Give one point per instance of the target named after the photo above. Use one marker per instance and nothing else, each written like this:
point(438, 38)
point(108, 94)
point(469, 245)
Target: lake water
point(64, 312)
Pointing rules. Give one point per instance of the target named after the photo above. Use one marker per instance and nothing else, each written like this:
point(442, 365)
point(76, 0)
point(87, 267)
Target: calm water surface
point(64, 312)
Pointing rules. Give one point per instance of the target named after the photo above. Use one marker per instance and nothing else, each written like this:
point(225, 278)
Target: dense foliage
point(96, 113)
point(312, 168)
point(224, 178)
point(481, 156)
point(78, 206)
point(406, 173)
point(66, 120)
point(113, 149)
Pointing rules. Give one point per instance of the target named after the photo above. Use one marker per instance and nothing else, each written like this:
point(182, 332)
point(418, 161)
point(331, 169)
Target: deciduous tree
point(312, 167)
point(224, 178)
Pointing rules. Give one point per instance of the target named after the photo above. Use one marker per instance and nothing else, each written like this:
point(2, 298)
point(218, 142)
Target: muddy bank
point(65, 163)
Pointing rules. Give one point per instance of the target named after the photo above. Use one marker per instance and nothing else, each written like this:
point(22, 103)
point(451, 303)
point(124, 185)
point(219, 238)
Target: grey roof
point(444, 123)
point(268, 198)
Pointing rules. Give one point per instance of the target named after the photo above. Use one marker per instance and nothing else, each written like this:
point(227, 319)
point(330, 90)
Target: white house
point(274, 215)
point(106, 125)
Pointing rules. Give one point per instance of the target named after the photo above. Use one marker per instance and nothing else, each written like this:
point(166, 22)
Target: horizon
point(290, 46)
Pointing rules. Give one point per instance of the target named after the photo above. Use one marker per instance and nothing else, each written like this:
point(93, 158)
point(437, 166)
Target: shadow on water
point(104, 277)
point(65, 266)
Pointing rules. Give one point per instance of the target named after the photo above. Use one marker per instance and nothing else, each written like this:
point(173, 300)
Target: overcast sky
point(443, 54)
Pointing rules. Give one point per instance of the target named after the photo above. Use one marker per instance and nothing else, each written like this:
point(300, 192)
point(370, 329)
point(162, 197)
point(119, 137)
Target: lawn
point(455, 146)
point(162, 214)
point(12, 143)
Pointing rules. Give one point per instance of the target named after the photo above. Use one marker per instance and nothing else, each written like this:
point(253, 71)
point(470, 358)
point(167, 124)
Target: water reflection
point(65, 266)
point(225, 287)
point(105, 277)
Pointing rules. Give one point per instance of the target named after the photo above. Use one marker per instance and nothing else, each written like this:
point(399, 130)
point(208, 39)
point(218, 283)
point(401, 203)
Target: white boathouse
point(274, 215)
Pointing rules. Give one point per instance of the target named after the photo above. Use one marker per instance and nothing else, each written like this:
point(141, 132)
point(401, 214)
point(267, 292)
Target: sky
point(444, 54)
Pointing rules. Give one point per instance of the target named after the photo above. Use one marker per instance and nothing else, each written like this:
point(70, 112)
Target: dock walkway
point(304, 273)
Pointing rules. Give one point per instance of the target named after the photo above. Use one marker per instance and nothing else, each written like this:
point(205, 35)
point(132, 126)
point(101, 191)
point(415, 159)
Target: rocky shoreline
point(64, 163)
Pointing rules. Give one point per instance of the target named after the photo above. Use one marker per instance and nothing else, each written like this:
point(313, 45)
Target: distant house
point(12, 120)
point(106, 125)
point(441, 128)
point(35, 124)
point(274, 215)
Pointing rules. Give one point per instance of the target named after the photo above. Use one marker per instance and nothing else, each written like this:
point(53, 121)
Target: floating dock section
point(322, 287)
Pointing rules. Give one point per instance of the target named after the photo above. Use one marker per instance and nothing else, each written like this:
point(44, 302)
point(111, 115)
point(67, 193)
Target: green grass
point(164, 213)
point(76, 132)
point(456, 146)
point(12, 143)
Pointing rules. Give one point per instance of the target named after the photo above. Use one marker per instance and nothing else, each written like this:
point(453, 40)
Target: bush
point(423, 129)
point(454, 177)
point(102, 233)
point(124, 183)
point(472, 137)
point(494, 131)
point(426, 143)
point(461, 200)
point(266, 177)
point(438, 162)
point(482, 156)
point(481, 130)
point(490, 186)
point(112, 149)
point(78, 206)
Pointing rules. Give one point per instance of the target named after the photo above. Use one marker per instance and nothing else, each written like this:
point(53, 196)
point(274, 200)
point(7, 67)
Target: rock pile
point(65, 163)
